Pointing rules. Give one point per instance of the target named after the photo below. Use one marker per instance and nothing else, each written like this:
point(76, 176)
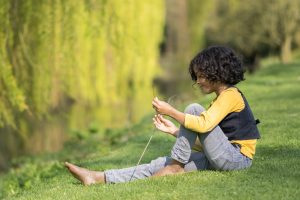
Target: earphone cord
point(153, 131)
point(142, 155)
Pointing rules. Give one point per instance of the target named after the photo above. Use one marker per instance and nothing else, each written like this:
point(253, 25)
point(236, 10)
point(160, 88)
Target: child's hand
point(165, 125)
point(161, 107)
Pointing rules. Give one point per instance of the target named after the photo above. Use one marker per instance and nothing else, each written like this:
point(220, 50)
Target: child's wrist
point(172, 112)
point(175, 132)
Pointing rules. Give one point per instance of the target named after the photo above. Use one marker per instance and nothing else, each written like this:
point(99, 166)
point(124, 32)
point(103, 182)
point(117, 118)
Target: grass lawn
point(274, 95)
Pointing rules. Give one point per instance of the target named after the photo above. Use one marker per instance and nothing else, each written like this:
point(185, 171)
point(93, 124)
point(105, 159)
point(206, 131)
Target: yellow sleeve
point(228, 101)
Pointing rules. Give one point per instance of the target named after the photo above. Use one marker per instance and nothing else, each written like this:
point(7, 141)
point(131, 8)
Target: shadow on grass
point(277, 163)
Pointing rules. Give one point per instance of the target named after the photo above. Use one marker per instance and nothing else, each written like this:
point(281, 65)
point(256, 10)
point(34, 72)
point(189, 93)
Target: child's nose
point(199, 80)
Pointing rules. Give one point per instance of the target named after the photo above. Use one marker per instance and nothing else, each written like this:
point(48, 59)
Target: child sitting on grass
point(227, 129)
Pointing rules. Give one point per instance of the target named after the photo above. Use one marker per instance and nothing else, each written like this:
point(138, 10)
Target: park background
point(77, 79)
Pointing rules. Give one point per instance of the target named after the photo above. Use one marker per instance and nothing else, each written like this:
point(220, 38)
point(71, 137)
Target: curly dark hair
point(217, 64)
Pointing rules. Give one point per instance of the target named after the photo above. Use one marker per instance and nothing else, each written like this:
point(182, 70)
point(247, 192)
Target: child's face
point(205, 85)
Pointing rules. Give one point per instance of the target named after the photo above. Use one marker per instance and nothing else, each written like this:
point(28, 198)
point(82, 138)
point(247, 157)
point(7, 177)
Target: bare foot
point(170, 170)
point(85, 176)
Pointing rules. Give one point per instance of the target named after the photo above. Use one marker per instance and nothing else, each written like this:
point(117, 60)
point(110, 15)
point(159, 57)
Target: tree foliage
point(256, 27)
point(11, 96)
point(93, 56)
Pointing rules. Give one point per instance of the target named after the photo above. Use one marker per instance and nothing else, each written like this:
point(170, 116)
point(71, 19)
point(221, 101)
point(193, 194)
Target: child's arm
point(229, 101)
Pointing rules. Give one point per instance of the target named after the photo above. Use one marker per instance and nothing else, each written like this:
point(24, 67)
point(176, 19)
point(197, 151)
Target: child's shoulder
point(232, 91)
point(232, 96)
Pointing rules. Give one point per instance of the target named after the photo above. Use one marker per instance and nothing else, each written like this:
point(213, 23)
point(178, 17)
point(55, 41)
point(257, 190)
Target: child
point(227, 129)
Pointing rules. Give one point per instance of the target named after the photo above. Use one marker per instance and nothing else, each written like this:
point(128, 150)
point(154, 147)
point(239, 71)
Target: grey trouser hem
point(138, 172)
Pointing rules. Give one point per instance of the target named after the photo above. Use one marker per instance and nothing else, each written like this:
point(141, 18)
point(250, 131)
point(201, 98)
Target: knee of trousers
point(194, 109)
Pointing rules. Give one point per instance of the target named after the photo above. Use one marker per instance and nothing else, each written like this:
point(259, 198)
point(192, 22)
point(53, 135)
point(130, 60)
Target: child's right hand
point(165, 125)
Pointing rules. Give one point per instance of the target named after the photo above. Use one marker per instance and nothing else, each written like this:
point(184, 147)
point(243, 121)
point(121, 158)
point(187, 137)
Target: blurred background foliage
point(88, 66)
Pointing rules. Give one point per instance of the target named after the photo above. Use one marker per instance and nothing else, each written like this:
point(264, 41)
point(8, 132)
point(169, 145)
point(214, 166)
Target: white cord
point(169, 100)
point(141, 156)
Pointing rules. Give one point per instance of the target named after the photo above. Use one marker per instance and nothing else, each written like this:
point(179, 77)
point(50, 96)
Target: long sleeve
point(227, 102)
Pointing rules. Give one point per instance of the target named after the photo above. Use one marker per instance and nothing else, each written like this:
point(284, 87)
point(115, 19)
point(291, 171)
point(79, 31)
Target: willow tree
point(11, 96)
point(74, 57)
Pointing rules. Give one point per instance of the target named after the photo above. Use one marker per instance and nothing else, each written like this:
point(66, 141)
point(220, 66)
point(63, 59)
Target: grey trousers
point(218, 154)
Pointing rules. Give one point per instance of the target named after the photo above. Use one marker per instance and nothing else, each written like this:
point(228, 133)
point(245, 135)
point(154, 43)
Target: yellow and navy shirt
point(229, 110)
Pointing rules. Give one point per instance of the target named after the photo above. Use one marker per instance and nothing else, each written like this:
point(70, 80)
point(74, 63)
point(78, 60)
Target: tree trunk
point(285, 50)
point(177, 41)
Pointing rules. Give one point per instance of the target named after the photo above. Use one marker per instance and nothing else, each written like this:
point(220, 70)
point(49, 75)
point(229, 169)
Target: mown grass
point(273, 93)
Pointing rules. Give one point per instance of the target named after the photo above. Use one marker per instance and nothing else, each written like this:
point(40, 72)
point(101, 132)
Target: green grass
point(274, 95)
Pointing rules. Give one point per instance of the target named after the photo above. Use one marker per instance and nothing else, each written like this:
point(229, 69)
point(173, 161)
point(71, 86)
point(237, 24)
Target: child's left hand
point(161, 107)
point(165, 125)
